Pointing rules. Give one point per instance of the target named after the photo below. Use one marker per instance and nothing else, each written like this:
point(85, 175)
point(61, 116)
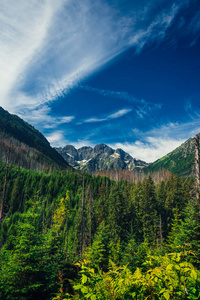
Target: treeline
point(135, 175)
point(119, 232)
point(17, 153)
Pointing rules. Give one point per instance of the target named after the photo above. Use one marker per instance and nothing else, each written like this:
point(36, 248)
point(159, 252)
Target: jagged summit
point(101, 157)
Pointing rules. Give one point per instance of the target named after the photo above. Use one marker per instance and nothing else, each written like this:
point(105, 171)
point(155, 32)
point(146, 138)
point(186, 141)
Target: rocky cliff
point(101, 157)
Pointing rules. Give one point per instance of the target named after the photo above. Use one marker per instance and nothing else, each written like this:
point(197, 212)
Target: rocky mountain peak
point(103, 148)
point(84, 153)
point(101, 157)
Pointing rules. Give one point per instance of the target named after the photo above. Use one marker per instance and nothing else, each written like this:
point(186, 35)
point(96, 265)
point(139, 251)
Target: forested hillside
point(21, 144)
point(180, 161)
point(108, 87)
point(77, 236)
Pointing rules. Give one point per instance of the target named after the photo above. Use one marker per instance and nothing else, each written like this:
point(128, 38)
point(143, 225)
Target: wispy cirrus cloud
point(47, 47)
point(43, 113)
point(159, 141)
point(141, 106)
point(192, 112)
point(114, 94)
point(189, 22)
point(23, 30)
point(118, 114)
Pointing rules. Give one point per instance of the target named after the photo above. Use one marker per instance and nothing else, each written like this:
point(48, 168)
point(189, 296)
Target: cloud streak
point(142, 107)
point(43, 113)
point(48, 47)
point(192, 112)
point(114, 94)
point(120, 113)
point(23, 29)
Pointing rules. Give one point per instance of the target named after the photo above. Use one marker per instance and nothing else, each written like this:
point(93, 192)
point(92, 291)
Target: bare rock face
point(101, 157)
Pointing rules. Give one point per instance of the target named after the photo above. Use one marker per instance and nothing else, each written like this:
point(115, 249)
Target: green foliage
point(61, 212)
point(98, 253)
point(22, 259)
point(169, 278)
point(122, 230)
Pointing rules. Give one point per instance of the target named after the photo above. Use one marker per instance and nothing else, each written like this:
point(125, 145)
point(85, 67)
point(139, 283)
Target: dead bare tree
point(197, 171)
point(90, 202)
point(197, 165)
point(5, 183)
point(82, 216)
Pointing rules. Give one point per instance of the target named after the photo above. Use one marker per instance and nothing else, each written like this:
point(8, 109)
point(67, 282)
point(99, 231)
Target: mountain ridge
point(179, 161)
point(101, 157)
point(23, 145)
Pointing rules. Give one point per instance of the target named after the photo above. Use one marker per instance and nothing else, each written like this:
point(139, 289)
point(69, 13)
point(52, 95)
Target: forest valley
point(70, 235)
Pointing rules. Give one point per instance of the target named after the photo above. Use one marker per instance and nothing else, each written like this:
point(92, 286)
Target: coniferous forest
point(99, 149)
point(70, 235)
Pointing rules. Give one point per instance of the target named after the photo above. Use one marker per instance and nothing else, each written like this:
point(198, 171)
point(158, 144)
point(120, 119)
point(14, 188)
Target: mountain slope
point(180, 161)
point(22, 144)
point(101, 157)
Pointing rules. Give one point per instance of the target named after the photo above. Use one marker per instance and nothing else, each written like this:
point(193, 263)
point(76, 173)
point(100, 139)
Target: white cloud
point(156, 30)
point(47, 46)
point(118, 114)
point(148, 146)
point(57, 139)
point(59, 120)
point(93, 120)
point(150, 150)
point(157, 142)
point(175, 131)
point(43, 114)
point(24, 26)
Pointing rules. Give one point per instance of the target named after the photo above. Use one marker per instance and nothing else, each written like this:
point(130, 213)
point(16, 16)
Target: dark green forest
point(68, 235)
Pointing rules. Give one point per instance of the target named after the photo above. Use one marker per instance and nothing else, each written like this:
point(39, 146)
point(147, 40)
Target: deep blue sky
point(124, 73)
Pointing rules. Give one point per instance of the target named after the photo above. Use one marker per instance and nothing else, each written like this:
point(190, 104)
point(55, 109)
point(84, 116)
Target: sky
point(120, 72)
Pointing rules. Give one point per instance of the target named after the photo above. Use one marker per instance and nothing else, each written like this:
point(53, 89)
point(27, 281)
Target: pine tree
point(175, 241)
point(98, 254)
point(149, 211)
point(23, 262)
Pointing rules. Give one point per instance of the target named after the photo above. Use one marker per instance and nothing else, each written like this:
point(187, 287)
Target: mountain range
point(180, 161)
point(21, 144)
point(101, 157)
